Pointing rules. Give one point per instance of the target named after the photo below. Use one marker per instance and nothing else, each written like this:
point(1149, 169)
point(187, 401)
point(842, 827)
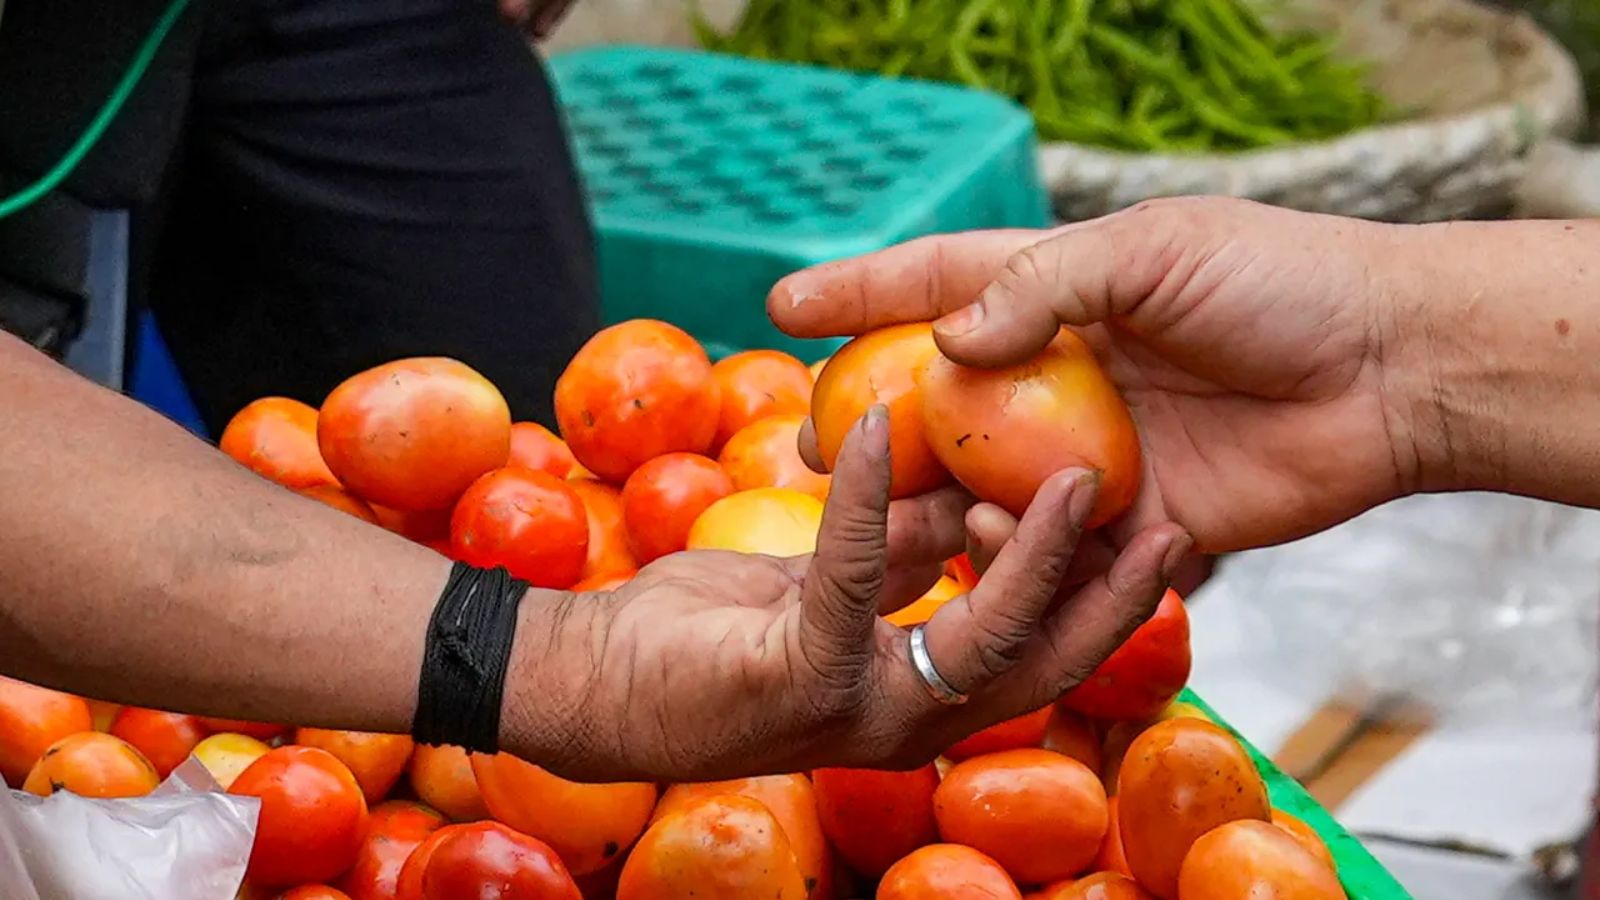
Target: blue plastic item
point(711, 176)
point(155, 382)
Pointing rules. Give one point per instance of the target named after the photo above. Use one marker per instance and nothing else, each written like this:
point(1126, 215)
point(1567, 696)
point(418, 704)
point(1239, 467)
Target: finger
point(839, 600)
point(974, 639)
point(988, 529)
point(912, 282)
point(809, 452)
point(928, 528)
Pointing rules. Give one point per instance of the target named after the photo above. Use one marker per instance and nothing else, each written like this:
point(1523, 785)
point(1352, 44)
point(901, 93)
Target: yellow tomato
point(774, 521)
point(226, 755)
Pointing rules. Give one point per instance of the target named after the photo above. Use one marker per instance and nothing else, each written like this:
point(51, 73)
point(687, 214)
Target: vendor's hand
point(1246, 339)
point(539, 17)
point(711, 665)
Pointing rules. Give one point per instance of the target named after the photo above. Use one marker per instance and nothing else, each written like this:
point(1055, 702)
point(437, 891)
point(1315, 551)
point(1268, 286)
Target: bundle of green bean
point(1142, 75)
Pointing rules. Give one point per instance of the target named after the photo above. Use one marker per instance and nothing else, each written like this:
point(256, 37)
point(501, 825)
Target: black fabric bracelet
point(465, 658)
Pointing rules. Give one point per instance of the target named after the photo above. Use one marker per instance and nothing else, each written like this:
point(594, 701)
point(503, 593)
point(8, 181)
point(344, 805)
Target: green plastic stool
point(710, 177)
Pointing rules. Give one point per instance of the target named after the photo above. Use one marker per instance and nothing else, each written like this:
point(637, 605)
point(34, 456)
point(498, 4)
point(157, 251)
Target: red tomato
point(876, 818)
point(534, 446)
point(376, 760)
point(1145, 673)
point(1002, 432)
point(415, 433)
point(1180, 779)
point(724, 847)
point(634, 392)
point(962, 571)
point(92, 764)
point(881, 367)
point(532, 523)
point(756, 384)
point(1111, 858)
point(261, 731)
point(663, 498)
point(276, 438)
point(409, 885)
point(1039, 814)
point(1247, 859)
point(1015, 734)
point(166, 739)
point(609, 553)
point(31, 719)
point(394, 829)
point(766, 453)
point(423, 527)
point(314, 892)
point(589, 825)
point(488, 861)
point(312, 816)
point(342, 500)
point(947, 872)
point(791, 800)
point(1070, 734)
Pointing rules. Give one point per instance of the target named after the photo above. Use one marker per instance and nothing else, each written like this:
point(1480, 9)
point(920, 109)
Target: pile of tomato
point(1117, 791)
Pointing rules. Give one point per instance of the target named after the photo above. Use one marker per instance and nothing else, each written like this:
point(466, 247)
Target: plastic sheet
point(185, 841)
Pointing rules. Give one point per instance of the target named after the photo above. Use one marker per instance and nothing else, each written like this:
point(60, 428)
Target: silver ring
point(938, 688)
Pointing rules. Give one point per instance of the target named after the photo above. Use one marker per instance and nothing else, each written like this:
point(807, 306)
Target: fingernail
point(875, 431)
point(1084, 490)
point(961, 321)
point(1176, 552)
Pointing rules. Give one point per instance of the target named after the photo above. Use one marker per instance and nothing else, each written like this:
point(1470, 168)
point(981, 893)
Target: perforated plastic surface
point(711, 176)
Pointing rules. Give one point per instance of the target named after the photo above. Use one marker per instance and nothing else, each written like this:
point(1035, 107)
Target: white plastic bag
point(185, 841)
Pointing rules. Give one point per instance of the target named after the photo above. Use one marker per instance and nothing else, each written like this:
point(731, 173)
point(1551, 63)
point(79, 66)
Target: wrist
point(553, 668)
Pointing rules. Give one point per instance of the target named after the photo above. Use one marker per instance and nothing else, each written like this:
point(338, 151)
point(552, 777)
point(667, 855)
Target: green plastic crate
point(1364, 877)
point(710, 177)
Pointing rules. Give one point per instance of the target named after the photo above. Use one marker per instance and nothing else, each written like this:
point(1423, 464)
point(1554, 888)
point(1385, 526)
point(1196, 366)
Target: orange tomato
point(1111, 858)
point(790, 799)
point(921, 610)
point(314, 892)
point(226, 755)
point(1039, 814)
point(664, 496)
point(766, 453)
point(608, 553)
point(409, 884)
point(1002, 432)
point(415, 433)
point(589, 825)
point(756, 384)
point(166, 739)
point(442, 777)
point(394, 829)
point(342, 500)
point(102, 713)
point(1305, 834)
point(264, 731)
point(881, 367)
point(313, 816)
point(31, 719)
point(960, 568)
point(1142, 676)
point(424, 527)
point(532, 523)
point(634, 392)
point(876, 818)
point(774, 521)
point(603, 582)
point(1099, 886)
point(276, 438)
point(947, 872)
point(816, 368)
point(1070, 734)
point(92, 764)
point(1245, 859)
point(1180, 779)
point(487, 859)
point(1015, 734)
point(536, 447)
point(376, 760)
point(714, 848)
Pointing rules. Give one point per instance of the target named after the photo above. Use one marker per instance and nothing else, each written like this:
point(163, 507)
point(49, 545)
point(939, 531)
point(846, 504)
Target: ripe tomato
point(442, 777)
point(1002, 432)
point(342, 500)
point(226, 755)
point(376, 760)
point(766, 453)
point(715, 848)
point(264, 731)
point(166, 739)
point(314, 892)
point(921, 610)
point(485, 860)
point(756, 384)
point(947, 872)
point(312, 817)
point(1099, 886)
point(536, 447)
point(1111, 858)
point(816, 368)
point(423, 527)
point(960, 568)
point(636, 391)
point(1039, 814)
point(101, 713)
point(876, 818)
point(881, 367)
point(774, 521)
point(790, 799)
point(394, 829)
point(1246, 859)
point(92, 764)
point(608, 553)
point(1016, 734)
point(1180, 779)
point(1070, 734)
point(533, 523)
point(589, 825)
point(414, 433)
point(1143, 676)
point(603, 582)
point(1305, 834)
point(664, 496)
point(276, 438)
point(31, 719)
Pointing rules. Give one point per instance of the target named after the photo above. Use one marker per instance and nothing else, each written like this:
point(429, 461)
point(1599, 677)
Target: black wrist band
point(465, 658)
